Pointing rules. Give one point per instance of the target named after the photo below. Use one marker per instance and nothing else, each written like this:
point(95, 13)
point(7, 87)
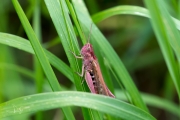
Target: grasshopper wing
point(89, 82)
point(109, 93)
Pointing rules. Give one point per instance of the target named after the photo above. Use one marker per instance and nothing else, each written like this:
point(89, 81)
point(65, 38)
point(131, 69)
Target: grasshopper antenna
point(90, 33)
point(89, 36)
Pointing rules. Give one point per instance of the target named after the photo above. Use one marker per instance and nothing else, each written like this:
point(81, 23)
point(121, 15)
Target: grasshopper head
point(87, 51)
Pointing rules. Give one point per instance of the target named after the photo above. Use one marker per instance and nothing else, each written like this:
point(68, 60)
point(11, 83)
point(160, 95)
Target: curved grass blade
point(154, 101)
point(120, 10)
point(126, 10)
point(24, 44)
point(47, 101)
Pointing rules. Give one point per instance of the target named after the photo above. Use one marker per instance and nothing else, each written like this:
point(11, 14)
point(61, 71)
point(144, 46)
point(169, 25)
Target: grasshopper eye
point(88, 48)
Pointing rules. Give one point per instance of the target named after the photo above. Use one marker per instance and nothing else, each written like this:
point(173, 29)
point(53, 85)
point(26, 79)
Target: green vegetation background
point(137, 44)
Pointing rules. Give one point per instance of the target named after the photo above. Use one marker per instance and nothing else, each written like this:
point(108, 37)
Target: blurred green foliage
point(135, 39)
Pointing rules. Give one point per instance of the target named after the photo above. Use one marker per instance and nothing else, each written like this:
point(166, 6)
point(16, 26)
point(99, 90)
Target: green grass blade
point(168, 37)
point(47, 101)
point(39, 75)
point(40, 55)
point(24, 44)
point(66, 34)
point(126, 10)
point(37, 47)
point(154, 101)
point(112, 57)
point(162, 103)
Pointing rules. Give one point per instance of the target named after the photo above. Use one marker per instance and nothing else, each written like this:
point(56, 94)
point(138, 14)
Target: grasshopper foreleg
point(79, 57)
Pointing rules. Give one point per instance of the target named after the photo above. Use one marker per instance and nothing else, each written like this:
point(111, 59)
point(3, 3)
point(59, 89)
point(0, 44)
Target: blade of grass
point(65, 33)
point(39, 76)
point(74, 17)
point(24, 44)
point(154, 101)
point(120, 10)
point(40, 55)
point(36, 26)
point(47, 101)
point(167, 36)
point(126, 10)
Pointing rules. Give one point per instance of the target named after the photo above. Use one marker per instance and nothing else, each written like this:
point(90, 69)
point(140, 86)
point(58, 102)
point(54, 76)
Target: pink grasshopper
point(93, 75)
